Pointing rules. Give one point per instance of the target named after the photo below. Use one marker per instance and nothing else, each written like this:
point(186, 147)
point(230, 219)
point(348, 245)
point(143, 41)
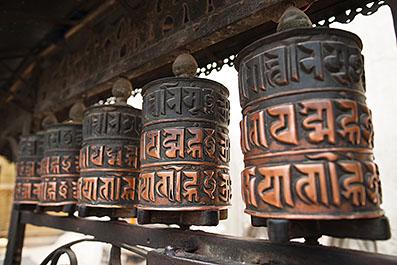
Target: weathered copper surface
point(27, 185)
point(109, 158)
point(306, 132)
point(184, 146)
point(60, 164)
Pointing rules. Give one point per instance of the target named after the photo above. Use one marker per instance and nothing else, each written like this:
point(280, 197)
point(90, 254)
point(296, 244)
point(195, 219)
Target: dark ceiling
point(28, 26)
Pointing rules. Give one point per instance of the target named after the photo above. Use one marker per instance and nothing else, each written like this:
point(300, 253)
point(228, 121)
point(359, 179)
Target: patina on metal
point(185, 146)
point(306, 132)
point(27, 183)
point(60, 163)
point(109, 158)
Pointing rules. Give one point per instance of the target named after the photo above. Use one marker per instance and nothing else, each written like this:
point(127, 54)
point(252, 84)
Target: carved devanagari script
point(28, 184)
point(306, 131)
point(60, 168)
point(109, 157)
point(185, 147)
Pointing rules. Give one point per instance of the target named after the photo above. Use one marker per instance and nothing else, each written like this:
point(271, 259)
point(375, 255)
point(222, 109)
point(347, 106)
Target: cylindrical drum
point(60, 166)
point(306, 132)
point(27, 185)
point(184, 147)
point(109, 160)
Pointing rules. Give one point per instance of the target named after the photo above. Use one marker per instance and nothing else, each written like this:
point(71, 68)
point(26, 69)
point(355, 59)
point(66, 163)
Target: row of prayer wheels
point(306, 136)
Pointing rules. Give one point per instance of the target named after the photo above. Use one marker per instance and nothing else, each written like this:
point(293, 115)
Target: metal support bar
point(208, 245)
point(115, 255)
point(16, 234)
point(171, 256)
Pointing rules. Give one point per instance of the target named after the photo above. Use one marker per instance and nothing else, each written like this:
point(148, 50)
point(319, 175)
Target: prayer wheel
point(109, 158)
point(307, 134)
point(60, 164)
point(184, 175)
point(28, 185)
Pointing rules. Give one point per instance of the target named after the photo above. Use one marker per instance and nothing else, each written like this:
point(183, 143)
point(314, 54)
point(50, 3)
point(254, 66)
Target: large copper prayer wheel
point(306, 132)
point(28, 186)
point(60, 166)
point(109, 160)
point(184, 150)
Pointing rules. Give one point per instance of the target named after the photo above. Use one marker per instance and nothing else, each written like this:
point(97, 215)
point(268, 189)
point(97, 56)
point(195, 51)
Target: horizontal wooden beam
point(138, 45)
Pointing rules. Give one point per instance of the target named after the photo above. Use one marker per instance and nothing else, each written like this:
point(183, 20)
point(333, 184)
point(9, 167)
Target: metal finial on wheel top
point(185, 65)
point(76, 111)
point(49, 120)
point(293, 18)
point(121, 90)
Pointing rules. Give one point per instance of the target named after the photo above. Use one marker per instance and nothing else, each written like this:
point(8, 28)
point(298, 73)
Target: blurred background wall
point(7, 178)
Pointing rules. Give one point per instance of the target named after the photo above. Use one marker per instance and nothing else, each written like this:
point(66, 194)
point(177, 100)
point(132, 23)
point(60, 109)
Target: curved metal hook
point(55, 255)
point(68, 252)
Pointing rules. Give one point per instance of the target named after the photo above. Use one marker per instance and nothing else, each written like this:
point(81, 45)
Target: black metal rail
point(176, 246)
